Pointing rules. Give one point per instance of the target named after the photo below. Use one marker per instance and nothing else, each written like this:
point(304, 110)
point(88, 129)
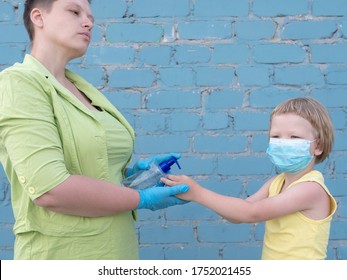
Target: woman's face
point(66, 27)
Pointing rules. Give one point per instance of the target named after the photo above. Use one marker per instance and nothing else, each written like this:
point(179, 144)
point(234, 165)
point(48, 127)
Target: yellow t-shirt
point(46, 134)
point(295, 236)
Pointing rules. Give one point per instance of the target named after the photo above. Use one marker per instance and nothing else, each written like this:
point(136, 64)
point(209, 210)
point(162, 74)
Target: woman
point(64, 147)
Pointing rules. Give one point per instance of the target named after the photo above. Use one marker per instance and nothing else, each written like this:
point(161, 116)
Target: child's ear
point(318, 150)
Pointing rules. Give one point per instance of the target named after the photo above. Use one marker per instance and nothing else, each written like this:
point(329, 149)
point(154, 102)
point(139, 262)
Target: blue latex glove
point(156, 198)
point(144, 164)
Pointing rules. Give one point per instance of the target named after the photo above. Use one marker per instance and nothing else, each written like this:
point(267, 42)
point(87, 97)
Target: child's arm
point(301, 197)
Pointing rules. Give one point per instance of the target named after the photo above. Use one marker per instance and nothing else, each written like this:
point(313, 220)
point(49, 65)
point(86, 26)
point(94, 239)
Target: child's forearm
point(233, 209)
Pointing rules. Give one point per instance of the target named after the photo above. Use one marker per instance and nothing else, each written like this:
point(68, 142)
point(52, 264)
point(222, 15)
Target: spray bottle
point(151, 177)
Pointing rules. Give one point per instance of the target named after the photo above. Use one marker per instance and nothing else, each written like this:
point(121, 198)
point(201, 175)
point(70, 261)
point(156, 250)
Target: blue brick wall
point(201, 77)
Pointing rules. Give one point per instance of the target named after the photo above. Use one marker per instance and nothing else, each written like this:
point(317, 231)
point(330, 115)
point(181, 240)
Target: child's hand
point(172, 180)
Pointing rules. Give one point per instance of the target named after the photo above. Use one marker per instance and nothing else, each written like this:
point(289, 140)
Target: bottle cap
point(165, 166)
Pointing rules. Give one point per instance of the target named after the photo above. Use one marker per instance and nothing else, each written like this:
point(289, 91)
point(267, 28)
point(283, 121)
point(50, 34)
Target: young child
point(296, 204)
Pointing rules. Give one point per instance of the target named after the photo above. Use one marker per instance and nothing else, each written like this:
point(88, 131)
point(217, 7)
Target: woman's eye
point(75, 12)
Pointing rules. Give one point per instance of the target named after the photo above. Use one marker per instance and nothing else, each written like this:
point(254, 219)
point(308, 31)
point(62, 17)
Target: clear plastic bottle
point(151, 177)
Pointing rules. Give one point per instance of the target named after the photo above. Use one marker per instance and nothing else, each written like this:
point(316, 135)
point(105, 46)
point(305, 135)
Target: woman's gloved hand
point(158, 197)
point(144, 164)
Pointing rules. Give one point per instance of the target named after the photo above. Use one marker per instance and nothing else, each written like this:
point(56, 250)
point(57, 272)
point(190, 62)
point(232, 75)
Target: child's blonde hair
point(317, 115)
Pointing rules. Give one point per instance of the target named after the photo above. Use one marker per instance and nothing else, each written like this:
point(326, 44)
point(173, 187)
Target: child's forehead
point(290, 121)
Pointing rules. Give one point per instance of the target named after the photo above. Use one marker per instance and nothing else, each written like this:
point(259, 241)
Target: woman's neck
point(54, 61)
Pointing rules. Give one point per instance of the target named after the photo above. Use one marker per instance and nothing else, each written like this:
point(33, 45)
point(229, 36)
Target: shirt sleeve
point(28, 133)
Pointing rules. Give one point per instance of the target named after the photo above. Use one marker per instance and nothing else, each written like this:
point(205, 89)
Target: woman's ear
point(36, 17)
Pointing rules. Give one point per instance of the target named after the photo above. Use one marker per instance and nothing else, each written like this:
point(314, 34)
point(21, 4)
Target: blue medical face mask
point(289, 155)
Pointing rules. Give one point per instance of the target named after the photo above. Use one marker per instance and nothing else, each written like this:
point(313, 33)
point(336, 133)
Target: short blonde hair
point(317, 115)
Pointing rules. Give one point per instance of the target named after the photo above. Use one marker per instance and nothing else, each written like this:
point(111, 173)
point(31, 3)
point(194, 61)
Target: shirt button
point(22, 179)
point(31, 190)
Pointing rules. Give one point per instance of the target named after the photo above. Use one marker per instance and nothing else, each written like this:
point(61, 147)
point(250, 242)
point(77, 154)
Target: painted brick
point(173, 99)
point(109, 55)
point(342, 252)
point(260, 141)
point(330, 96)
point(223, 99)
point(242, 252)
point(241, 166)
point(276, 8)
point(331, 8)
point(337, 76)
point(108, 9)
point(160, 144)
point(309, 29)
point(339, 141)
point(298, 75)
point(336, 185)
point(189, 252)
point(329, 53)
point(151, 252)
point(93, 75)
point(184, 121)
point(124, 99)
point(190, 212)
point(13, 34)
point(219, 143)
point(342, 209)
point(150, 123)
point(245, 120)
point(98, 33)
point(259, 231)
point(6, 12)
point(134, 32)
point(131, 77)
point(202, 30)
point(191, 54)
point(255, 29)
point(164, 234)
point(178, 76)
point(341, 165)
point(214, 76)
point(338, 117)
point(338, 230)
point(269, 97)
point(231, 53)
point(223, 232)
point(155, 55)
point(161, 8)
point(278, 53)
point(220, 8)
point(6, 234)
point(343, 25)
point(11, 54)
point(254, 75)
point(195, 164)
point(216, 120)
point(228, 186)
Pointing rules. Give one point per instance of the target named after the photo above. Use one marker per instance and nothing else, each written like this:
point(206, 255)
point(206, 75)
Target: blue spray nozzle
point(166, 165)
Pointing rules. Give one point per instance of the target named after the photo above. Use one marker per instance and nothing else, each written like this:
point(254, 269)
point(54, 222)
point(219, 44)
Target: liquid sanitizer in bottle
point(151, 177)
